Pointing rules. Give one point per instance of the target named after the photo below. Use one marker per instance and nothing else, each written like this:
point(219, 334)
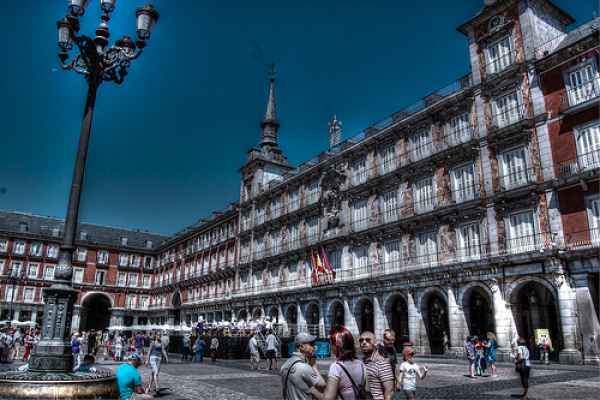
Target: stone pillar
point(350, 320)
point(380, 322)
point(567, 306)
point(457, 324)
point(34, 315)
point(414, 324)
point(300, 318)
point(588, 320)
point(322, 332)
point(16, 314)
point(503, 320)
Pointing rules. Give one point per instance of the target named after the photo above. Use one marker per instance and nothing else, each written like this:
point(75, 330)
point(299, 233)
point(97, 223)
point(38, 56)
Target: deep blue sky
point(166, 146)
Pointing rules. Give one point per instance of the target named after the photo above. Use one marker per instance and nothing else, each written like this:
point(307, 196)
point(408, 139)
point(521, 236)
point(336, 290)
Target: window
point(276, 207)
point(294, 200)
point(582, 84)
point(260, 246)
point(312, 229)
point(16, 269)
point(81, 254)
point(469, 244)
point(124, 241)
point(32, 271)
point(463, 183)
point(246, 220)
point(131, 301)
point(99, 278)
point(133, 279)
point(294, 236)
point(420, 144)
point(459, 129)
point(260, 215)
point(148, 244)
point(55, 232)
point(28, 294)
point(19, 247)
point(424, 195)
point(390, 206)
point(359, 171)
point(82, 235)
point(245, 252)
point(136, 260)
point(121, 278)
point(506, 110)
point(588, 146)
point(23, 227)
point(391, 254)
point(102, 257)
point(514, 168)
point(144, 302)
point(148, 262)
point(10, 293)
point(388, 159)
point(427, 248)
point(49, 272)
point(360, 257)
point(359, 215)
point(312, 192)
point(78, 275)
point(275, 241)
point(499, 55)
point(3, 245)
point(593, 209)
point(123, 260)
point(146, 281)
point(36, 249)
point(2, 264)
point(52, 251)
point(521, 232)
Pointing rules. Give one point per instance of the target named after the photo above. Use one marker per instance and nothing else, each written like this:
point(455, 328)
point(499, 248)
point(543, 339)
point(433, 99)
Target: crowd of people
point(481, 353)
point(17, 344)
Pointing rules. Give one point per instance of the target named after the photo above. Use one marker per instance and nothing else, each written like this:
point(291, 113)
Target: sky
point(168, 143)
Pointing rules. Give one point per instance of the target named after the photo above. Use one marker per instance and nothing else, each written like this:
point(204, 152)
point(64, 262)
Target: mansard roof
point(96, 235)
point(579, 33)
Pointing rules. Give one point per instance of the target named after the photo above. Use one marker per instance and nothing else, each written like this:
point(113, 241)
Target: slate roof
point(579, 33)
point(45, 227)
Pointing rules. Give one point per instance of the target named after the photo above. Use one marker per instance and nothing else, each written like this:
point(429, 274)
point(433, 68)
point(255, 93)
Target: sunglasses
point(365, 340)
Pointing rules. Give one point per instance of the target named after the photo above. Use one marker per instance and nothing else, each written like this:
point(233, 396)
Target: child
point(408, 374)
point(88, 364)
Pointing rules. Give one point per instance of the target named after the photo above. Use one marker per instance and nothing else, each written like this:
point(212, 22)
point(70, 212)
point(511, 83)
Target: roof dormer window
point(123, 241)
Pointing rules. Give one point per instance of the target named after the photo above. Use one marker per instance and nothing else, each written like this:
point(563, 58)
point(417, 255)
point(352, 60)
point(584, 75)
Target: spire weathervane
point(335, 132)
point(269, 124)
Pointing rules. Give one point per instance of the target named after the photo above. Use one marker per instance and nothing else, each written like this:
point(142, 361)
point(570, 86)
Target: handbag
point(360, 391)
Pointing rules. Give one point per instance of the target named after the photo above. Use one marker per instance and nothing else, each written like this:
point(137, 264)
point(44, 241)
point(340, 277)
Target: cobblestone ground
point(232, 380)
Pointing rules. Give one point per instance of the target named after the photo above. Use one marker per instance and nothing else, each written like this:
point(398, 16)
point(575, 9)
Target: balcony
point(425, 205)
point(583, 240)
point(584, 162)
point(529, 243)
point(517, 178)
point(500, 63)
point(510, 119)
point(581, 97)
point(360, 224)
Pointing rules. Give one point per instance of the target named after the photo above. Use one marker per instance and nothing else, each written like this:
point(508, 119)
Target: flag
point(328, 265)
point(314, 275)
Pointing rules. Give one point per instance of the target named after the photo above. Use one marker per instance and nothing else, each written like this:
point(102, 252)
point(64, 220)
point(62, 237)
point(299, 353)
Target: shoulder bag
point(360, 391)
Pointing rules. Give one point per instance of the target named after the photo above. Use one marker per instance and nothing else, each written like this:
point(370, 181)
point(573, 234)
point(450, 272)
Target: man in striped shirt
point(379, 371)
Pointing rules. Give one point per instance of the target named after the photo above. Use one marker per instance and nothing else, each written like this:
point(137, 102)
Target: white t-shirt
point(523, 352)
point(409, 372)
point(271, 342)
point(253, 345)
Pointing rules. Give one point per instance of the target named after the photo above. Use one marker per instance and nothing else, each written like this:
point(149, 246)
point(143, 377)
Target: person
point(272, 343)
point(118, 347)
point(17, 343)
point(199, 346)
point(139, 343)
point(185, 347)
point(389, 352)
point(491, 349)
point(214, 347)
point(545, 347)
point(523, 365)
point(470, 351)
point(75, 350)
point(129, 380)
point(28, 346)
point(347, 372)
point(155, 355)
point(254, 353)
point(480, 364)
point(335, 337)
point(301, 379)
point(87, 365)
point(409, 370)
point(379, 371)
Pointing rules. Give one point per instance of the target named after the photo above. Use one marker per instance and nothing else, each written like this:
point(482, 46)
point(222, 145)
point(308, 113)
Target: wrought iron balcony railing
point(517, 178)
point(584, 162)
point(583, 93)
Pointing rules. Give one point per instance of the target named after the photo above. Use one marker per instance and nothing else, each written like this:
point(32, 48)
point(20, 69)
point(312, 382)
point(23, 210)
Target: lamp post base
point(101, 385)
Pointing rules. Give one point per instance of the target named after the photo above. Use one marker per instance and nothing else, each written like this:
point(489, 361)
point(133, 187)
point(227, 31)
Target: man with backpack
point(300, 376)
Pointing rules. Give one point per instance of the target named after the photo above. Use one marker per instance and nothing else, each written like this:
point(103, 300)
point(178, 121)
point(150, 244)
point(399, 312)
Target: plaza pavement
point(232, 380)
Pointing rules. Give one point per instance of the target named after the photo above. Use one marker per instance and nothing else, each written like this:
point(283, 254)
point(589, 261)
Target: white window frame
point(360, 261)
point(9, 293)
point(49, 271)
point(102, 257)
point(359, 171)
point(459, 129)
point(427, 248)
point(516, 175)
point(260, 215)
point(122, 279)
point(588, 152)
point(132, 279)
point(123, 260)
point(81, 254)
point(468, 241)
point(96, 275)
point(52, 251)
point(3, 245)
point(424, 200)
point(593, 220)
point(390, 206)
point(517, 242)
point(586, 90)
point(312, 192)
point(146, 281)
point(502, 59)
point(31, 266)
point(19, 247)
point(421, 144)
point(78, 274)
point(312, 229)
point(507, 108)
point(294, 200)
point(28, 289)
point(16, 267)
point(39, 246)
point(360, 214)
point(392, 255)
point(388, 159)
point(463, 187)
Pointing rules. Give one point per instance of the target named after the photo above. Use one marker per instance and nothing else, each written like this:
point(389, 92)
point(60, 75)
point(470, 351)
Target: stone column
point(588, 320)
point(379, 318)
point(503, 320)
point(414, 324)
point(349, 319)
point(16, 314)
point(300, 318)
point(322, 332)
point(567, 306)
point(457, 324)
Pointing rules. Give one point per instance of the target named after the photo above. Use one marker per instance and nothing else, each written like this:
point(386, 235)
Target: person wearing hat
point(129, 379)
point(301, 379)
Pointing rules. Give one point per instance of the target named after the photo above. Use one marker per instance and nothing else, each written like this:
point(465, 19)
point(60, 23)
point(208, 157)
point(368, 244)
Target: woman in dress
point(156, 353)
point(346, 369)
point(491, 346)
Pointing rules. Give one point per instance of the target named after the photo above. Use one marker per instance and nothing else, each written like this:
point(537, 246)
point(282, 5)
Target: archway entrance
point(338, 316)
point(478, 311)
point(397, 314)
point(242, 315)
point(274, 315)
point(534, 307)
point(257, 314)
point(176, 313)
point(366, 321)
point(436, 323)
point(312, 319)
point(95, 312)
point(291, 317)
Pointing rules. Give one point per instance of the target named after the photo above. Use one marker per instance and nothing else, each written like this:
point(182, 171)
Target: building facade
point(474, 210)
